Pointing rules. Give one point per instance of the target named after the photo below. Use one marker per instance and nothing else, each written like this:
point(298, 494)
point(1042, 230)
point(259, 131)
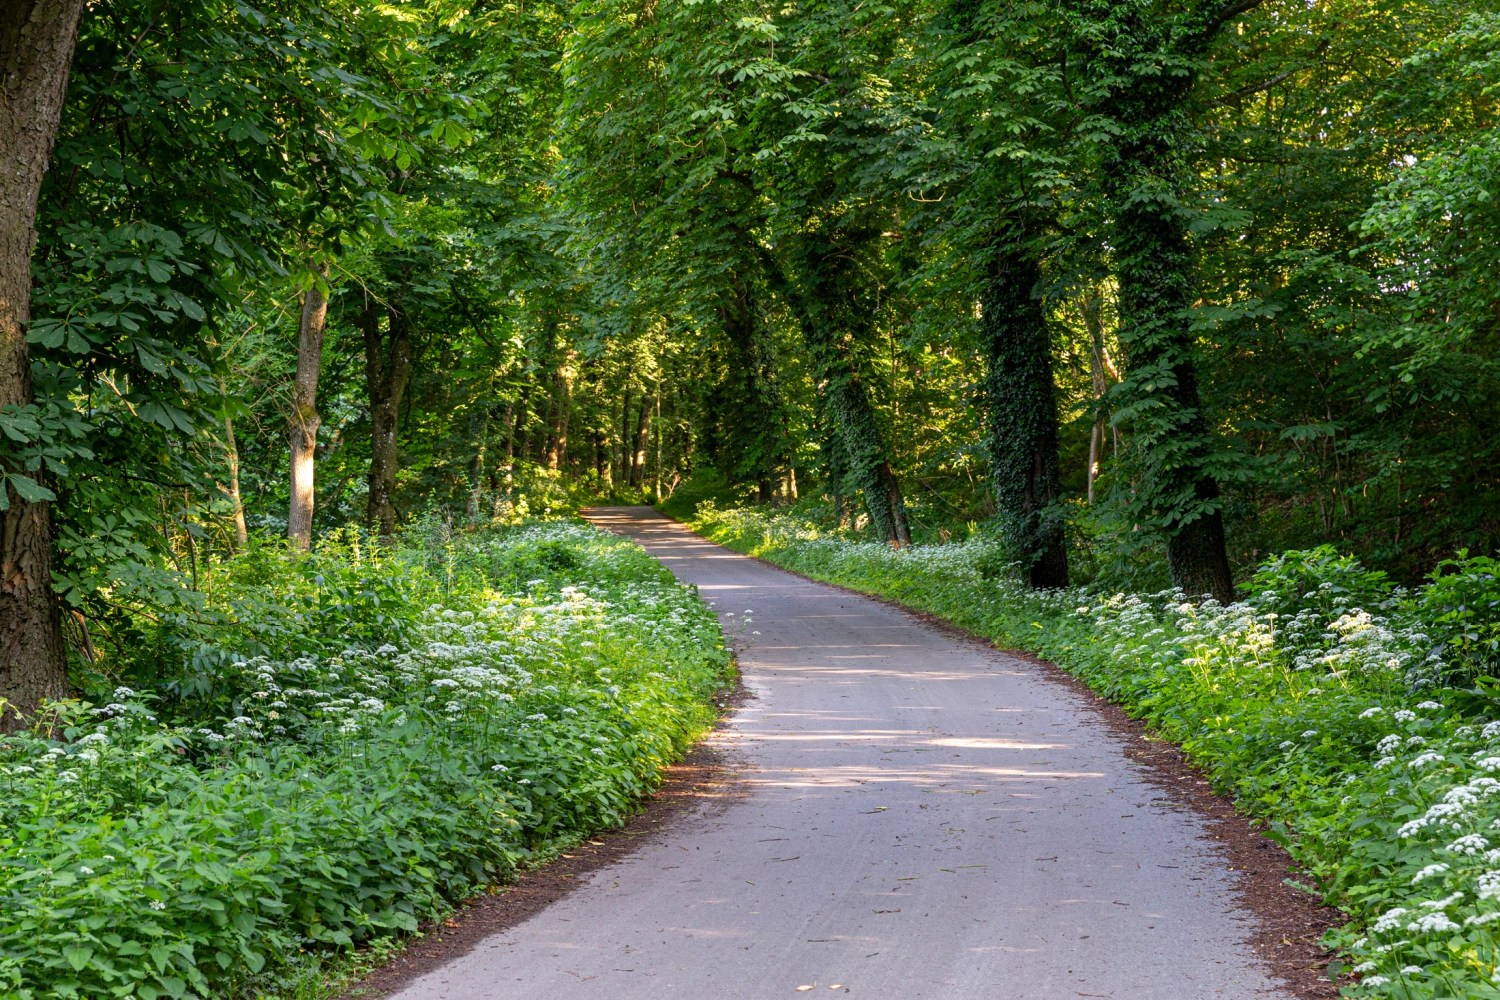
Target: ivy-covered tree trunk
point(302, 425)
point(753, 439)
point(832, 310)
point(1022, 403)
point(36, 50)
point(387, 363)
point(1173, 491)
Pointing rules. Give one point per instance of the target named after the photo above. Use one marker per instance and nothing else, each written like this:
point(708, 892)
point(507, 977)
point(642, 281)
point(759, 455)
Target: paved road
point(924, 818)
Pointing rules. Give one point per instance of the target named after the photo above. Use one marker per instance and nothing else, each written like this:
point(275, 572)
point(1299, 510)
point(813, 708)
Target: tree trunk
point(232, 455)
point(302, 426)
point(479, 433)
point(834, 310)
point(1022, 403)
point(642, 434)
point(387, 363)
point(1098, 368)
point(36, 50)
point(754, 443)
point(559, 455)
point(624, 476)
point(1173, 492)
point(656, 475)
point(510, 446)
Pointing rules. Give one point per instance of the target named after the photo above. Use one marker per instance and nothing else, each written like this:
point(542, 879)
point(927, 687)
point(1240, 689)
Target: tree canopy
point(1151, 291)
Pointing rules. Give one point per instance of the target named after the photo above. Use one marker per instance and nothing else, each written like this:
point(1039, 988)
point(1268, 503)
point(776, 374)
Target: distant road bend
point(923, 817)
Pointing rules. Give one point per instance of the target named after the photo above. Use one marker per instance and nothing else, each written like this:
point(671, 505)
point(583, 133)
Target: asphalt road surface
point(921, 817)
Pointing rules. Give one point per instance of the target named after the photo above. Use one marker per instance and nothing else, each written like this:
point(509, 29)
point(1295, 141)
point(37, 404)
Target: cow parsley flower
point(1429, 706)
point(1370, 713)
point(1432, 923)
point(1469, 845)
point(1428, 872)
point(1404, 715)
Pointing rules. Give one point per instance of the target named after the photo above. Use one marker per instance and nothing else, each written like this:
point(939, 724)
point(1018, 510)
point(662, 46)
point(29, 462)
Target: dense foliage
point(628, 241)
point(1344, 711)
point(1125, 294)
point(360, 738)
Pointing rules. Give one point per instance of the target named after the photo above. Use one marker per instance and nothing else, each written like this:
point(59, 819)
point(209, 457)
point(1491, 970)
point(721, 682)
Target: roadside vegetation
point(1359, 720)
point(333, 748)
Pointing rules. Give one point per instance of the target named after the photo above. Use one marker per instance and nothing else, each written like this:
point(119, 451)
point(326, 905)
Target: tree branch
point(1228, 13)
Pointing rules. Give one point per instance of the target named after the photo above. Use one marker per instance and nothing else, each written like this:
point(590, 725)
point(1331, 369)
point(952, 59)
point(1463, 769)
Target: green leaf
point(29, 489)
point(78, 956)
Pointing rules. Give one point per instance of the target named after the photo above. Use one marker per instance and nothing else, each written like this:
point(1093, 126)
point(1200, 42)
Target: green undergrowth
point(1347, 715)
point(335, 748)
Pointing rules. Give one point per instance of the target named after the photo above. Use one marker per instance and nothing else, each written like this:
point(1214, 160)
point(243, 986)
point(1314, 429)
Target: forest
point(319, 322)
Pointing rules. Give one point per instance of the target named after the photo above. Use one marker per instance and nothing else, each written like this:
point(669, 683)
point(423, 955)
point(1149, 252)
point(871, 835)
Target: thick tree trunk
point(1022, 403)
point(387, 364)
point(1171, 440)
point(834, 309)
point(36, 50)
point(1173, 489)
point(302, 426)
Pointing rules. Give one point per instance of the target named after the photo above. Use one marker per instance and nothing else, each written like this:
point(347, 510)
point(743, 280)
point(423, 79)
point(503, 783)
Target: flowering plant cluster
point(344, 791)
point(1348, 714)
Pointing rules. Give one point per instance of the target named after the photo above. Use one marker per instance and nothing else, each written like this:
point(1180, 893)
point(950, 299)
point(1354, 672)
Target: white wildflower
point(1432, 923)
point(1404, 715)
point(1389, 921)
point(1428, 872)
point(1469, 845)
point(1370, 713)
point(1429, 706)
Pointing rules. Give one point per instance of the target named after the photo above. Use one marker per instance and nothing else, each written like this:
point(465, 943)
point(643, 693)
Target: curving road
point(923, 817)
